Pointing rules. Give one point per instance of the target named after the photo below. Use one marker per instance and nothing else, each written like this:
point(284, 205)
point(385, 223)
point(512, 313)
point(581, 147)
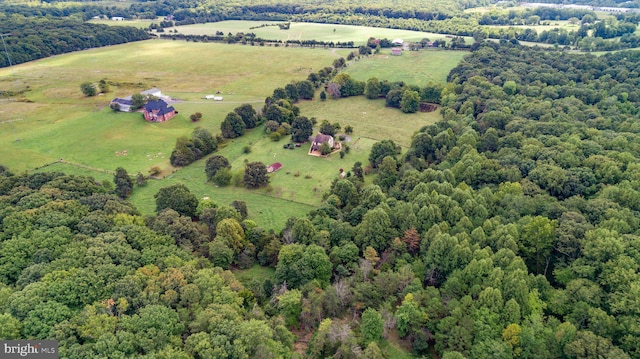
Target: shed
point(274, 167)
point(152, 92)
point(396, 51)
point(124, 104)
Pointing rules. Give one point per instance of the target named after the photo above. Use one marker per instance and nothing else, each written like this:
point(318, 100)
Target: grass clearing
point(370, 118)
point(288, 196)
point(257, 272)
point(413, 67)
point(394, 347)
point(307, 31)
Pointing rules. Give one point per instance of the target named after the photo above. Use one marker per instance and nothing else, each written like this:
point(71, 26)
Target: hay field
point(307, 31)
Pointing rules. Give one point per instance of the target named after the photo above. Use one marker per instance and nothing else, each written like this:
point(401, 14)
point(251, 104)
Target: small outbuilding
point(274, 167)
point(397, 42)
point(153, 92)
point(396, 51)
point(123, 104)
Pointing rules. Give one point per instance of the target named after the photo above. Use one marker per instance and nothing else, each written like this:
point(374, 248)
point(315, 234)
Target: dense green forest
point(35, 37)
point(511, 228)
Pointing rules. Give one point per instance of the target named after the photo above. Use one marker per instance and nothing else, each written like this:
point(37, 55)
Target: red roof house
point(158, 111)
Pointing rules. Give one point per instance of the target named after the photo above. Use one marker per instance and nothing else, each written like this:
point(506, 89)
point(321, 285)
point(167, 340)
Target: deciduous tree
point(248, 115)
point(88, 89)
point(410, 102)
point(233, 126)
point(215, 164)
point(372, 88)
point(302, 129)
point(177, 197)
point(255, 175)
point(123, 182)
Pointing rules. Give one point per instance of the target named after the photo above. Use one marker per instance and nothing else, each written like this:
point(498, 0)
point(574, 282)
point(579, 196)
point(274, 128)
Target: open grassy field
point(55, 126)
point(57, 121)
point(288, 195)
point(370, 118)
point(551, 24)
point(139, 23)
point(413, 67)
point(308, 31)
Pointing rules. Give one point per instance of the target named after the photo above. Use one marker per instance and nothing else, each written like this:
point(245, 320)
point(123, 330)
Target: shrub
point(275, 136)
point(246, 149)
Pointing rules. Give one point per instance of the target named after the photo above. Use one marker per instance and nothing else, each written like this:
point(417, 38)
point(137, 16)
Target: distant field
point(308, 31)
point(412, 67)
point(553, 24)
point(139, 23)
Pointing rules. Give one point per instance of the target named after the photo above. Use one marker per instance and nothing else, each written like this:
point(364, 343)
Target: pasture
point(139, 23)
point(370, 118)
point(66, 131)
point(545, 25)
point(308, 31)
point(413, 67)
point(59, 122)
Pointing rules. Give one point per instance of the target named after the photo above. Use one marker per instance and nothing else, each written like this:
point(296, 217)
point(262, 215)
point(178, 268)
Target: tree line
point(57, 35)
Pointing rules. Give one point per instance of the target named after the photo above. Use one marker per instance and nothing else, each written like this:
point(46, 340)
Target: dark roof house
point(158, 111)
point(320, 139)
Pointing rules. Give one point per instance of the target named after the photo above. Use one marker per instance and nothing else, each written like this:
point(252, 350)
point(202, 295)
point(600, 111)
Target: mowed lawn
point(57, 121)
point(413, 67)
point(308, 31)
point(370, 118)
point(288, 194)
